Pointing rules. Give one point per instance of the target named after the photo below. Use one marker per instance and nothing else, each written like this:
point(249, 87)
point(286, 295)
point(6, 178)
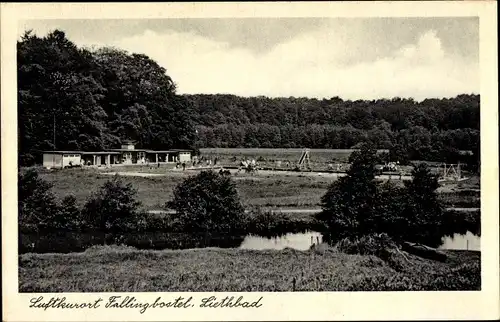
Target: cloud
point(325, 62)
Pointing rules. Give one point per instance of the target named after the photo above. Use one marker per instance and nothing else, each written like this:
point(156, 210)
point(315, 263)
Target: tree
point(208, 203)
point(423, 209)
point(141, 102)
point(399, 153)
point(36, 201)
point(355, 205)
point(59, 97)
point(349, 205)
point(113, 208)
point(390, 216)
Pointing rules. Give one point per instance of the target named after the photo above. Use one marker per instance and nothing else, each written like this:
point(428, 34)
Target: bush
point(69, 216)
point(208, 203)
point(372, 244)
point(36, 202)
point(113, 207)
point(271, 224)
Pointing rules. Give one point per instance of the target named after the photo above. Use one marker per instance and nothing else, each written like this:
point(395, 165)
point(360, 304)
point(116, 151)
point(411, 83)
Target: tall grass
point(109, 269)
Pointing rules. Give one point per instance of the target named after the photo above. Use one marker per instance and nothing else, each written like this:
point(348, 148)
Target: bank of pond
point(67, 242)
point(460, 230)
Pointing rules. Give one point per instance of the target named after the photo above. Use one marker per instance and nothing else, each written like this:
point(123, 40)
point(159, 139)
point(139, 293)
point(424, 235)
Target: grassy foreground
point(123, 269)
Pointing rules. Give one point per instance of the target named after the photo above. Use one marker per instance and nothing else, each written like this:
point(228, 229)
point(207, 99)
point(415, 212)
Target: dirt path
point(134, 174)
point(238, 175)
point(296, 210)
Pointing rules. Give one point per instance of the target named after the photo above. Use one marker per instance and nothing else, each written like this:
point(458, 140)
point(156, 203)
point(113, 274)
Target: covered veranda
point(102, 158)
point(167, 156)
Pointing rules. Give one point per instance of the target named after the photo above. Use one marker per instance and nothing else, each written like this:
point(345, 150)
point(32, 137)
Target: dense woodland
point(433, 129)
point(95, 98)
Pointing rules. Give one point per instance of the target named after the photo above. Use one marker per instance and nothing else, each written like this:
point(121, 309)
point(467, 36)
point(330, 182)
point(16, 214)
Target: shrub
point(372, 244)
point(267, 223)
point(113, 207)
point(69, 216)
point(208, 203)
point(36, 202)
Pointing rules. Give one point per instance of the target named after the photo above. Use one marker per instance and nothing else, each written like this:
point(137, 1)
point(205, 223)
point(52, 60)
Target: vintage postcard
point(250, 161)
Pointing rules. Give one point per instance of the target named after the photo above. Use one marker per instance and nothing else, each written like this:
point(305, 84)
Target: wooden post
point(94, 159)
point(109, 160)
point(156, 157)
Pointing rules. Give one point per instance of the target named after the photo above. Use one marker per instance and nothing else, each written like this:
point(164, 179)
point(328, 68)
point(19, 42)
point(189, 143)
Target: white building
point(126, 155)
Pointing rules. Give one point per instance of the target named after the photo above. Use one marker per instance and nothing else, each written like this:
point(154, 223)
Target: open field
point(269, 189)
point(319, 158)
point(325, 155)
point(237, 270)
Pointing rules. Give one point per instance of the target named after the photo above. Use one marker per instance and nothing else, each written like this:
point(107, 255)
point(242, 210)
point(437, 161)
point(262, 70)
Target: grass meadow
point(275, 190)
point(238, 270)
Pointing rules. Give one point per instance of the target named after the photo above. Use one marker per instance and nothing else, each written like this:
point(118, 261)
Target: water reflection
point(66, 242)
point(469, 241)
point(300, 241)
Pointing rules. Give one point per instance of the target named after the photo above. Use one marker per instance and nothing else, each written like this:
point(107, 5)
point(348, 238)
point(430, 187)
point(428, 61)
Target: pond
point(300, 241)
point(78, 242)
point(303, 241)
point(469, 241)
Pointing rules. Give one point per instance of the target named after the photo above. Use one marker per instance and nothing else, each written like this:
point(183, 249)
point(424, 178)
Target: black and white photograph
point(249, 154)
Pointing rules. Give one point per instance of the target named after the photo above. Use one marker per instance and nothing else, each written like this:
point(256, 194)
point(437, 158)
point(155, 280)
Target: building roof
point(100, 152)
point(115, 151)
point(162, 151)
point(62, 152)
point(131, 150)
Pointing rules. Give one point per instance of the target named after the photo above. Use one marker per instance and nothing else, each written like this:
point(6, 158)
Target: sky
point(353, 58)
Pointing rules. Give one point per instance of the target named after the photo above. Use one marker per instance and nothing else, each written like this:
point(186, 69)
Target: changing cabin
point(127, 154)
point(61, 159)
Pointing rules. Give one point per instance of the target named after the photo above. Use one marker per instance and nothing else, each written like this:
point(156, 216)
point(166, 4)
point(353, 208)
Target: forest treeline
point(433, 129)
point(73, 98)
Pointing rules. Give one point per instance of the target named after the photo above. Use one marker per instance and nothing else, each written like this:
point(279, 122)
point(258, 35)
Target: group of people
point(248, 165)
point(208, 162)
